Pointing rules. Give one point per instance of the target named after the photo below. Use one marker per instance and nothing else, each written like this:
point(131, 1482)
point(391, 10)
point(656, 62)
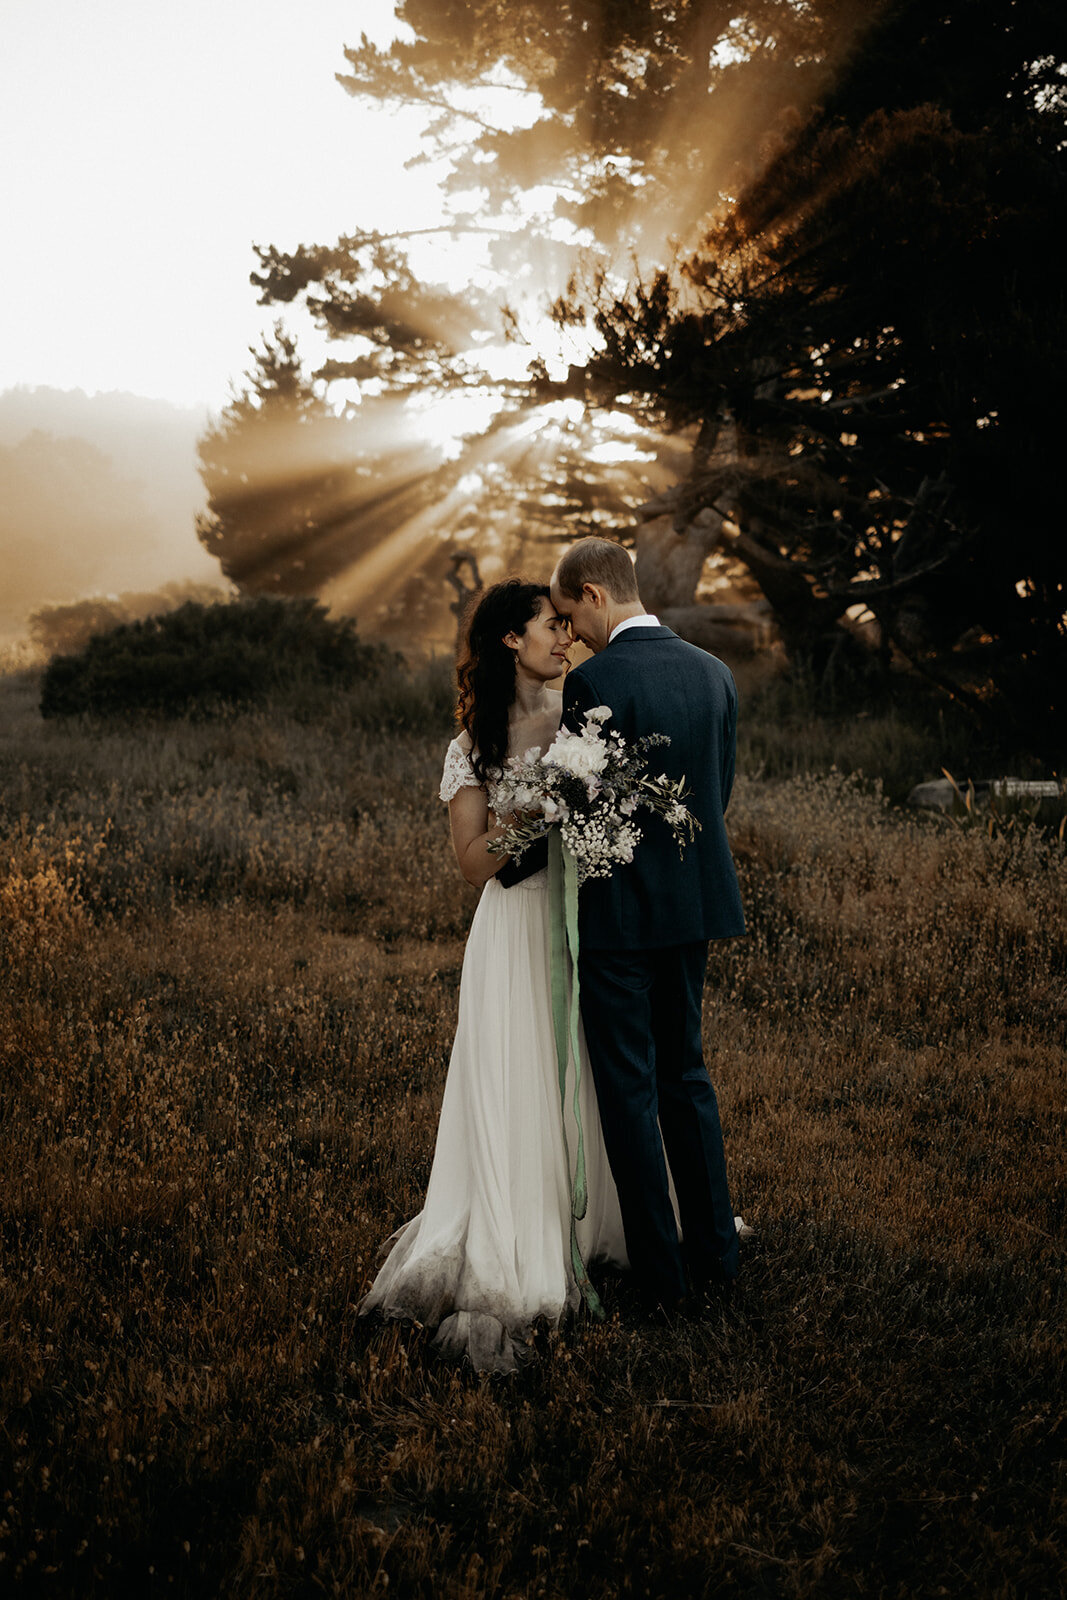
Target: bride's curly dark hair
point(485, 669)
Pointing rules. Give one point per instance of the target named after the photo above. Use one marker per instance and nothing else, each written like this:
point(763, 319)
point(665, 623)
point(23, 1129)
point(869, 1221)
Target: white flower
point(580, 754)
point(596, 821)
point(626, 840)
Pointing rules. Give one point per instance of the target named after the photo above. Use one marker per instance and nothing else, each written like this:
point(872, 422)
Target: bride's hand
point(513, 819)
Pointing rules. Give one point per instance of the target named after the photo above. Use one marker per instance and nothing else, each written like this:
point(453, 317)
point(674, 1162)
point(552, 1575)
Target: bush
point(902, 733)
point(203, 657)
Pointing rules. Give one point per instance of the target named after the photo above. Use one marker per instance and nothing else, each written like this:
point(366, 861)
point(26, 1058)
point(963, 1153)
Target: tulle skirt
point(489, 1254)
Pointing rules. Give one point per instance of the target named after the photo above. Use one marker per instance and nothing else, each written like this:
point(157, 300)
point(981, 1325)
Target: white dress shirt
point(646, 620)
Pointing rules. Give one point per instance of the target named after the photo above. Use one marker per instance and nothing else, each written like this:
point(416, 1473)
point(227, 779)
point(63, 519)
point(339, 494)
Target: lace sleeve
point(458, 773)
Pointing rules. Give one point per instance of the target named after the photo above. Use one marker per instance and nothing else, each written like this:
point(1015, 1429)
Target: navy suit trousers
point(641, 1011)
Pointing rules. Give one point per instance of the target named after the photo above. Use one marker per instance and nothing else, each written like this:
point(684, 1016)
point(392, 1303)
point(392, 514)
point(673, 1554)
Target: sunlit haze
point(144, 150)
point(148, 154)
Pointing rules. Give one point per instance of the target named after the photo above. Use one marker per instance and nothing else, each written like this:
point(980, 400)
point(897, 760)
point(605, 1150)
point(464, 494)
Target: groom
point(644, 931)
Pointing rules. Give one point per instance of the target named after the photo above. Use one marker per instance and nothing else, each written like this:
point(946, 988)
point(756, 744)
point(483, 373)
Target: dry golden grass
point(230, 959)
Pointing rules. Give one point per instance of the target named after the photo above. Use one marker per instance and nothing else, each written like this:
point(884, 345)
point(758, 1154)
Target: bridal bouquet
point(590, 784)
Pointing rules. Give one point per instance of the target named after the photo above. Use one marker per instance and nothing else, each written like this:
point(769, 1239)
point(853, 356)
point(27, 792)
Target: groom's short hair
point(599, 561)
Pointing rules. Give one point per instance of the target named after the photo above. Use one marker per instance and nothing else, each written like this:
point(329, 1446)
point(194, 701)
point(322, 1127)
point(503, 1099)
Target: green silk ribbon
point(563, 918)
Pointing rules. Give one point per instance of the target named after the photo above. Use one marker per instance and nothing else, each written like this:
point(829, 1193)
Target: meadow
point(230, 953)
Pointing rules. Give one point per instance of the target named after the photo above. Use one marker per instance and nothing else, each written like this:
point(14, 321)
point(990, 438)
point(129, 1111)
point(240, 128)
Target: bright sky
point(144, 147)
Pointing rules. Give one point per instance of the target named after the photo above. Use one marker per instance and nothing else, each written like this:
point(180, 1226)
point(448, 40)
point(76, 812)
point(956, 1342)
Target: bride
point(490, 1252)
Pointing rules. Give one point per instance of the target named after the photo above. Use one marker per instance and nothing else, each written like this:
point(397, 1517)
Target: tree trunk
point(669, 564)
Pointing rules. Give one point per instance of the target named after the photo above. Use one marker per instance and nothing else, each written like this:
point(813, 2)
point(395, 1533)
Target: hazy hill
point(97, 496)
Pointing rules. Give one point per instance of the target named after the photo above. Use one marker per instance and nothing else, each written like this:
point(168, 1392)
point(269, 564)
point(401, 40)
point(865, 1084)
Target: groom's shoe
point(711, 1297)
point(667, 1314)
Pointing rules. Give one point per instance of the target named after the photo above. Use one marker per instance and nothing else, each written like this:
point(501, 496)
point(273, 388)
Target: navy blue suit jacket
point(655, 682)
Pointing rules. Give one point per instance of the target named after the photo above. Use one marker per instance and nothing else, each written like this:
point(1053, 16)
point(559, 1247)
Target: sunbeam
point(373, 577)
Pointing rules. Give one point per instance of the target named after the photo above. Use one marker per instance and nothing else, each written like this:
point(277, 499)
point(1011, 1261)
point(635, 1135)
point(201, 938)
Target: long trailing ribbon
point(563, 916)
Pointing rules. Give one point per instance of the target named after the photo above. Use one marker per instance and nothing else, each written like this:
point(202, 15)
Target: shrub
point(202, 657)
point(791, 723)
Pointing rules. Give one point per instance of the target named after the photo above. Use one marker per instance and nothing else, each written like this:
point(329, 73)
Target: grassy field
point(230, 954)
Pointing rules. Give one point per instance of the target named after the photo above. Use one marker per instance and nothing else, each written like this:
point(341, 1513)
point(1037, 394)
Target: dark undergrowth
point(901, 733)
point(230, 957)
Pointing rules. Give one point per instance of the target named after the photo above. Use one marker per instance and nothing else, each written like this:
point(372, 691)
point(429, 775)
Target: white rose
point(575, 754)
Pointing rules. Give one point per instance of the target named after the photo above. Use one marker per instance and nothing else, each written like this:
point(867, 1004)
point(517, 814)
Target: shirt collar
point(647, 620)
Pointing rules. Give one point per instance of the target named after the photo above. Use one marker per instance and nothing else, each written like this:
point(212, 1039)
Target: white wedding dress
point(490, 1254)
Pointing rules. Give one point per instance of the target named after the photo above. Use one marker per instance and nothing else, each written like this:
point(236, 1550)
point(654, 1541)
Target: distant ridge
point(74, 524)
point(142, 436)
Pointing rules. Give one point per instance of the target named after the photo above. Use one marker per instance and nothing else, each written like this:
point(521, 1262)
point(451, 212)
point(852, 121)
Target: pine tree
point(870, 325)
point(279, 472)
point(844, 283)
